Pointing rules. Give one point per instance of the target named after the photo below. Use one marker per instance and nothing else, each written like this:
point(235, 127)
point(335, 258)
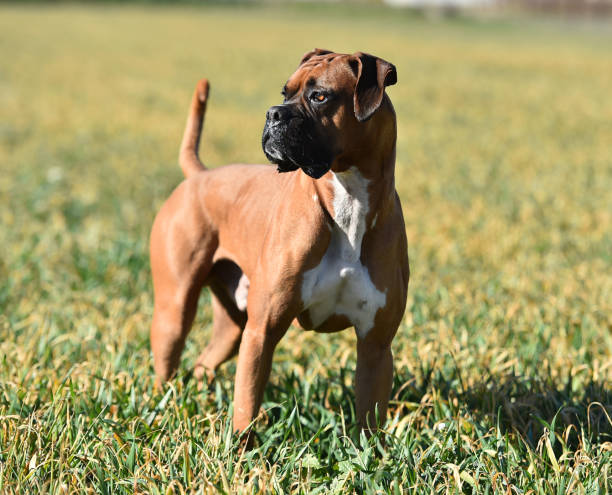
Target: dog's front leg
point(373, 379)
point(374, 373)
point(254, 363)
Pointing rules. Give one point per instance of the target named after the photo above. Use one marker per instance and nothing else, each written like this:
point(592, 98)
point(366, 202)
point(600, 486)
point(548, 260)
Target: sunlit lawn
point(504, 359)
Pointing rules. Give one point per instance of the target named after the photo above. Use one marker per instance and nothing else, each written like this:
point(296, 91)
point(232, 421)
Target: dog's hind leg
point(228, 323)
point(182, 248)
point(173, 315)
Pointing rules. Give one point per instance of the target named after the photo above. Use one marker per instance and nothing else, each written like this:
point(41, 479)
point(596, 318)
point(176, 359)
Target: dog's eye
point(318, 96)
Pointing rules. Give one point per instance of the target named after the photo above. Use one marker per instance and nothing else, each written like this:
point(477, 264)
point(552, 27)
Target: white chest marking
point(340, 284)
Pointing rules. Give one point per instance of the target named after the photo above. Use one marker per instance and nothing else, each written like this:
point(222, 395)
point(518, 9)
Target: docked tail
point(188, 156)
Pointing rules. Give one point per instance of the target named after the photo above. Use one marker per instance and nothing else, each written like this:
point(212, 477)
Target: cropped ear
point(310, 54)
point(373, 75)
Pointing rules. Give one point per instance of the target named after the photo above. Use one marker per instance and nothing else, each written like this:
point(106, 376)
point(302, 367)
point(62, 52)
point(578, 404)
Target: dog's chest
point(340, 284)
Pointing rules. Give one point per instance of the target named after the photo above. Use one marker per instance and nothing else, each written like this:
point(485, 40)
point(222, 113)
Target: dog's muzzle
point(290, 141)
point(279, 124)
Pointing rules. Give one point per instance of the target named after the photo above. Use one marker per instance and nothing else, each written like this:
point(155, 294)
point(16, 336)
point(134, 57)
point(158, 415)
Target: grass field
point(504, 360)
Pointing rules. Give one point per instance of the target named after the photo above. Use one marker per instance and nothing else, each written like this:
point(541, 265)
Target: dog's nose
point(278, 113)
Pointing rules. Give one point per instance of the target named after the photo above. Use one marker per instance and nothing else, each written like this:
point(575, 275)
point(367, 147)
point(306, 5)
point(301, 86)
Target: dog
point(319, 241)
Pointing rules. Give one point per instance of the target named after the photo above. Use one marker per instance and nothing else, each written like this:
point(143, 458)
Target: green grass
point(504, 360)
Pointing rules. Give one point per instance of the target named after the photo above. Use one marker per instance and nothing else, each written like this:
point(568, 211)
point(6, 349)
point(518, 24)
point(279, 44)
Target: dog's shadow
point(520, 405)
point(517, 405)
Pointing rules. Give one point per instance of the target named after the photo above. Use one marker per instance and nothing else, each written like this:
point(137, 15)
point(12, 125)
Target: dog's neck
point(351, 205)
point(358, 196)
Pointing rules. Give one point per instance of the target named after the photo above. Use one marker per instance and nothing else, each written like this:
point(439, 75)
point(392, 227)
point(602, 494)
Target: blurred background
point(592, 8)
point(504, 169)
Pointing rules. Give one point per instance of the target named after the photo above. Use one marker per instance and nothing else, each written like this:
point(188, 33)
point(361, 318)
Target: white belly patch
point(241, 293)
point(340, 284)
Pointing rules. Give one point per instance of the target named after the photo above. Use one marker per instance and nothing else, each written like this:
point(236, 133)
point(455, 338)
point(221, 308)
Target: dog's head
point(329, 103)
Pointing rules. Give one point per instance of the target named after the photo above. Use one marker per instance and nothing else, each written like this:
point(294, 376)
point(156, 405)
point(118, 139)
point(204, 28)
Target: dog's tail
point(188, 155)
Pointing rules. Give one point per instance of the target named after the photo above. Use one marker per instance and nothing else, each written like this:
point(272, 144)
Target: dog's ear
point(312, 53)
point(373, 75)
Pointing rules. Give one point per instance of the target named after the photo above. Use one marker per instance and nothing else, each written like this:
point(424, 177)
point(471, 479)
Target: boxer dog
point(319, 240)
